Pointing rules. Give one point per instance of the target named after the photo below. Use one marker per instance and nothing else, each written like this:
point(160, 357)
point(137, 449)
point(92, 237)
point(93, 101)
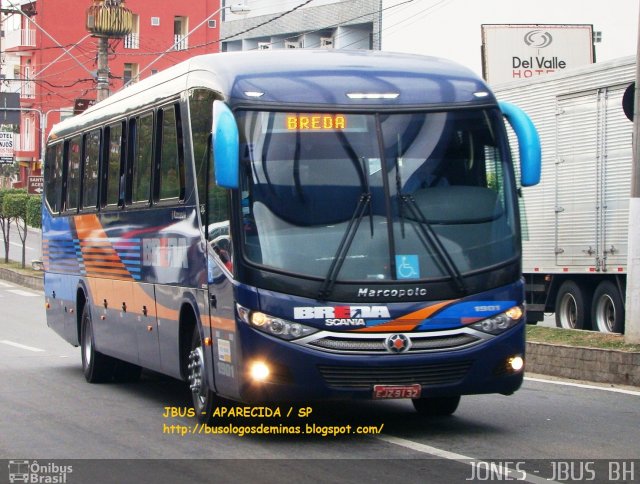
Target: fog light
point(259, 371)
point(515, 363)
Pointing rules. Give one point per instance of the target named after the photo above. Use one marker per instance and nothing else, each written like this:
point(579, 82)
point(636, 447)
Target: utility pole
point(102, 76)
point(632, 322)
point(107, 19)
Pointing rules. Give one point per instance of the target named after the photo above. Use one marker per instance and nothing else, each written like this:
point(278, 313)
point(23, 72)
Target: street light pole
point(632, 315)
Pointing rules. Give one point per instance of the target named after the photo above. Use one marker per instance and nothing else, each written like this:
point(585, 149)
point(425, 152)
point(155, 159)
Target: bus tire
point(572, 307)
point(607, 310)
point(97, 368)
point(204, 399)
point(436, 406)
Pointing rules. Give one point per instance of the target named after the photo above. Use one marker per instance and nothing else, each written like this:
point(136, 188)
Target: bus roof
point(310, 79)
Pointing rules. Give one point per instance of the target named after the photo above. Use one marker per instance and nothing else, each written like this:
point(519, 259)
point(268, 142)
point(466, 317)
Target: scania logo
point(397, 343)
point(538, 38)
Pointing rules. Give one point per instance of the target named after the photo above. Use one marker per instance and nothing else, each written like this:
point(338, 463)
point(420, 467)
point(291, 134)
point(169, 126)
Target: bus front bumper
point(298, 373)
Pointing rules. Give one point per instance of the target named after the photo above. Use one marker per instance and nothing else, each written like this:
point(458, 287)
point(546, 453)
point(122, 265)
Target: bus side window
point(112, 165)
point(53, 176)
point(73, 173)
point(90, 173)
point(141, 157)
point(170, 163)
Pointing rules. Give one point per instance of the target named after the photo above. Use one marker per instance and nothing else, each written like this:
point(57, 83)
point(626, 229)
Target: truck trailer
point(575, 222)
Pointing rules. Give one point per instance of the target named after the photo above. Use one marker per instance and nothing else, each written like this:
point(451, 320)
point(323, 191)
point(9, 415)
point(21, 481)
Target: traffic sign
point(35, 185)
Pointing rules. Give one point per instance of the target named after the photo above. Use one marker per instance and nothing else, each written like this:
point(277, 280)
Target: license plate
point(397, 391)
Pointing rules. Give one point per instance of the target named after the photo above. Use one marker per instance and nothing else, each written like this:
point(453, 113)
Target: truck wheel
point(572, 307)
point(437, 406)
point(97, 368)
point(608, 309)
point(204, 400)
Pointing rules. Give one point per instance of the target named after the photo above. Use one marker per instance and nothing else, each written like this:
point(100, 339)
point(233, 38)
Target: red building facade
point(50, 58)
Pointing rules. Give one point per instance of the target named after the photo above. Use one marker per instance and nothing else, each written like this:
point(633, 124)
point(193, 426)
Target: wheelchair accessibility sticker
point(407, 267)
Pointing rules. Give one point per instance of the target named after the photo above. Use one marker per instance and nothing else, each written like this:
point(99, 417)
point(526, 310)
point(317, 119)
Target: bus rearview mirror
point(528, 143)
point(225, 140)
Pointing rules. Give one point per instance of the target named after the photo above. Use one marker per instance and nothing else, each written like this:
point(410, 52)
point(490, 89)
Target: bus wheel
point(97, 367)
point(437, 406)
point(203, 398)
point(571, 307)
point(608, 309)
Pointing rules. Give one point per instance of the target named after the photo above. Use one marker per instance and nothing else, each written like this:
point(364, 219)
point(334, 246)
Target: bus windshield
point(376, 197)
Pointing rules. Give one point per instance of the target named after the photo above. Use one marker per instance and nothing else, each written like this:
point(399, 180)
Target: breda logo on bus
point(341, 315)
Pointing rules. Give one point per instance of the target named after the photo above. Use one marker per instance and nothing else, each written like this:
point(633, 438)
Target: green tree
point(5, 224)
point(14, 206)
point(34, 211)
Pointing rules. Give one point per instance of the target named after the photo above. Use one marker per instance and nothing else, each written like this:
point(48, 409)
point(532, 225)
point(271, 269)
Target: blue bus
point(302, 225)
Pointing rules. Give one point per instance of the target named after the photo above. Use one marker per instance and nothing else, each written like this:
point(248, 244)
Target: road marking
point(20, 292)
point(6, 284)
point(505, 472)
point(583, 385)
point(18, 345)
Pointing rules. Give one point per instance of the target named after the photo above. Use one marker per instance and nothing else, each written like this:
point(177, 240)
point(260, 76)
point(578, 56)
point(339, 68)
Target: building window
point(132, 41)
point(180, 30)
point(130, 74)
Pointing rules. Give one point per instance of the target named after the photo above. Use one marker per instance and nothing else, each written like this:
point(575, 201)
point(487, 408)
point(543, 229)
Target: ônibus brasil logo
point(538, 38)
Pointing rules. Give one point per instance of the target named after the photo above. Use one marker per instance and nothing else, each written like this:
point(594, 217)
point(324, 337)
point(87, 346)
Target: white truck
point(575, 222)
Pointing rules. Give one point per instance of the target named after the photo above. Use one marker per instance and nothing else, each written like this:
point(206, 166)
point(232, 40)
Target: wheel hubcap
point(87, 345)
point(569, 311)
point(606, 313)
point(196, 370)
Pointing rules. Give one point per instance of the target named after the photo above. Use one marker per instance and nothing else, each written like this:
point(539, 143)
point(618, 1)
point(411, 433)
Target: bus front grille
point(376, 345)
point(361, 377)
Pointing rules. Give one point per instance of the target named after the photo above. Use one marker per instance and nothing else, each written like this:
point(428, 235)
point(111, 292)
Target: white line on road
point(506, 472)
point(582, 385)
point(20, 292)
point(18, 345)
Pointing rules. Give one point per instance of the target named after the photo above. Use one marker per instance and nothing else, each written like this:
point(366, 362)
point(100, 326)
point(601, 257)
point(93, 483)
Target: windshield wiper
point(345, 244)
point(429, 235)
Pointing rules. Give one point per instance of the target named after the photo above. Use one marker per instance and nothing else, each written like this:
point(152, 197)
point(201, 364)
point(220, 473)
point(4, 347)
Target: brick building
point(50, 59)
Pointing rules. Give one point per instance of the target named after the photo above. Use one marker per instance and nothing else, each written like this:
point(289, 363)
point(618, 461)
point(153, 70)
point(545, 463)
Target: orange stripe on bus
point(408, 322)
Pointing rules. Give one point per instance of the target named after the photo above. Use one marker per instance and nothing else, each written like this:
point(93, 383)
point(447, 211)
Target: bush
point(34, 211)
point(14, 205)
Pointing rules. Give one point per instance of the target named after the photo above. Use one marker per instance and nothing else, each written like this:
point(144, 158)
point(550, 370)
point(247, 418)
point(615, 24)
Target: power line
point(42, 81)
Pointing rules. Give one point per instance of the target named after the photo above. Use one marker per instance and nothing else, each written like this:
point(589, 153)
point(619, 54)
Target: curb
point(580, 363)
point(32, 282)
point(575, 363)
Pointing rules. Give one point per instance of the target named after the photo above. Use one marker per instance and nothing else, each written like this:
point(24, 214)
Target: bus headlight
point(281, 328)
point(500, 322)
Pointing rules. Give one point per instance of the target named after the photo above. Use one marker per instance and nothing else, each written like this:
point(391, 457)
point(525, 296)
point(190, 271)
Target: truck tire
point(607, 311)
point(572, 307)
